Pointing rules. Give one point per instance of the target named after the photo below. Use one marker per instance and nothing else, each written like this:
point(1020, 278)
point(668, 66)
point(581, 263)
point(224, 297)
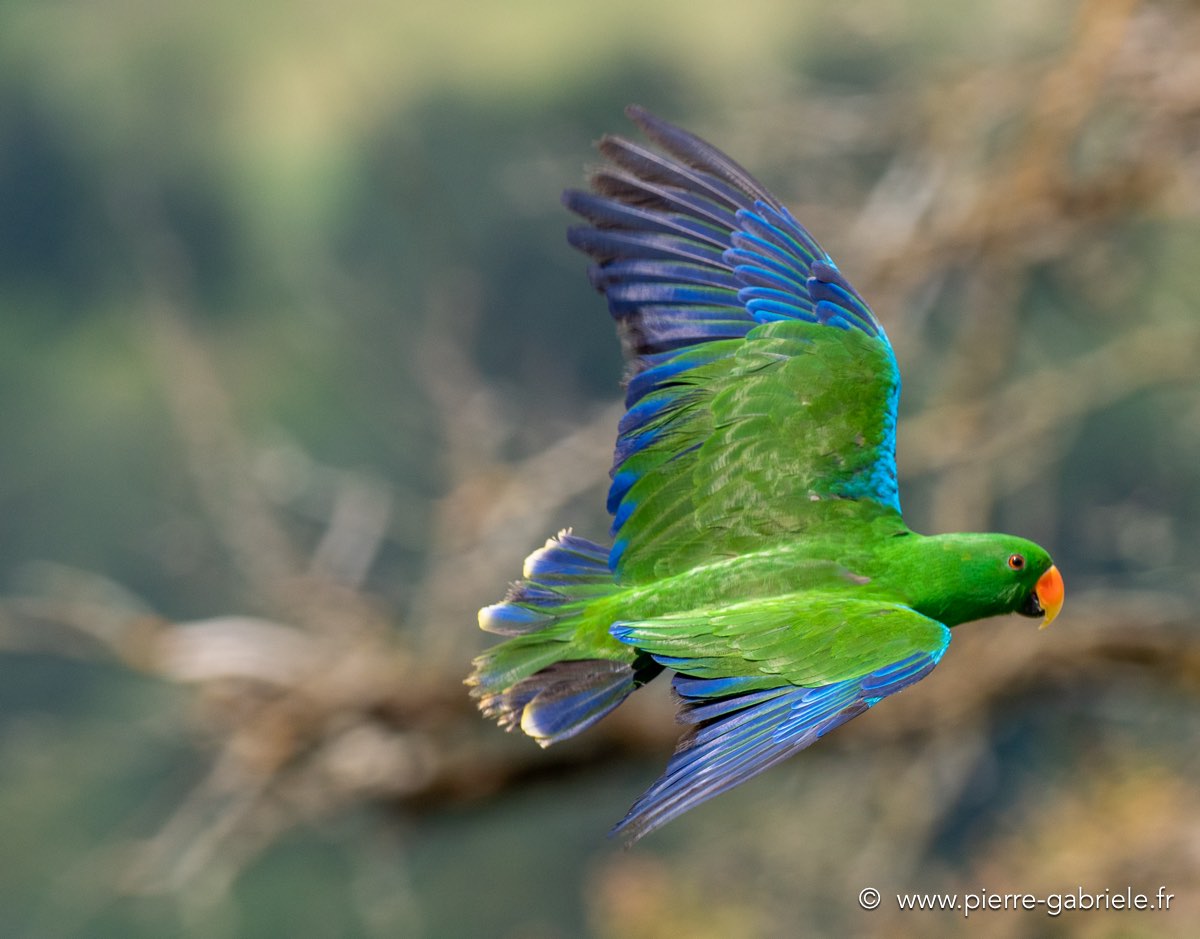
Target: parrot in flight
point(758, 549)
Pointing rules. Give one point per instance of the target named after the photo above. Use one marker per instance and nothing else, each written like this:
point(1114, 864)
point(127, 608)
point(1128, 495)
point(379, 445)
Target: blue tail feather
point(538, 680)
point(568, 697)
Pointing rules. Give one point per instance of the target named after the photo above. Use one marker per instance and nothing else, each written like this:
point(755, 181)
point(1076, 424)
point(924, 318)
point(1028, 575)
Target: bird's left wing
point(762, 393)
point(761, 680)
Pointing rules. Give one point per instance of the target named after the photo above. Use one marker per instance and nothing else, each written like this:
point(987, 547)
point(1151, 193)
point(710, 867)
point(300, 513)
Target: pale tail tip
point(529, 570)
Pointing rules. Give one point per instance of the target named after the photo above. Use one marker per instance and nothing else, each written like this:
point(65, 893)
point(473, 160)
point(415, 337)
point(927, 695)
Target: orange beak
point(1050, 593)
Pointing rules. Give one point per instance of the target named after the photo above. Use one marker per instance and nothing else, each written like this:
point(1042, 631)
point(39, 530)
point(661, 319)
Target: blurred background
point(297, 368)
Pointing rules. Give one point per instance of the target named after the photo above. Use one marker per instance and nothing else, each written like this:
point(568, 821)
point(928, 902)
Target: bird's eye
point(1016, 562)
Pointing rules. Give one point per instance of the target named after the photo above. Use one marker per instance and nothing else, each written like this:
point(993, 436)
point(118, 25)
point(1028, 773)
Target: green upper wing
point(762, 394)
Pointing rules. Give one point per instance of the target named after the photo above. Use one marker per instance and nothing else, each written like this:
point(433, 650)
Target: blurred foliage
point(297, 368)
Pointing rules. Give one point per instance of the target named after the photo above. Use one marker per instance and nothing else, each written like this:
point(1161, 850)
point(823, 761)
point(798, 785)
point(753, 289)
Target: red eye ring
point(1016, 562)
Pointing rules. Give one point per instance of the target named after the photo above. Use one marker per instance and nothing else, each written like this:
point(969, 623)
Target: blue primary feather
point(652, 167)
point(607, 244)
point(641, 269)
point(698, 153)
point(627, 297)
point(608, 213)
point(626, 187)
point(737, 736)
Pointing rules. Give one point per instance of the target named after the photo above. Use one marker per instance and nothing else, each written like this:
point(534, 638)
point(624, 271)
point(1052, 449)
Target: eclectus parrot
point(758, 548)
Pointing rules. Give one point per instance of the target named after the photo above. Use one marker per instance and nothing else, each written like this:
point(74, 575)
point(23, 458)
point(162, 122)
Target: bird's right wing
point(762, 680)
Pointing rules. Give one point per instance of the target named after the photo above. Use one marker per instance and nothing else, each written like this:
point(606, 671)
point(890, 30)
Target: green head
point(958, 578)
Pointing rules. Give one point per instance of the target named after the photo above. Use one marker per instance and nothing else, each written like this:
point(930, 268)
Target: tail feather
point(570, 559)
point(567, 697)
point(538, 680)
point(559, 579)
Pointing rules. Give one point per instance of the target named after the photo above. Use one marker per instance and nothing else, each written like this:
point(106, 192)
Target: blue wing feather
point(618, 184)
point(690, 171)
point(739, 735)
point(698, 153)
point(680, 272)
point(608, 244)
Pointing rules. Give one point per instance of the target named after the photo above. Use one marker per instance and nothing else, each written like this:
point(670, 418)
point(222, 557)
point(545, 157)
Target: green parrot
point(758, 552)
